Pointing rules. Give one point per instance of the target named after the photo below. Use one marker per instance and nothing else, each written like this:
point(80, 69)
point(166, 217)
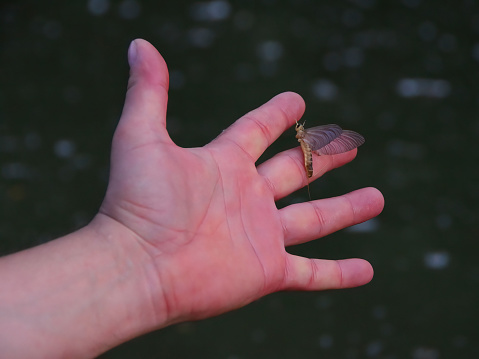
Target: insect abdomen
point(308, 159)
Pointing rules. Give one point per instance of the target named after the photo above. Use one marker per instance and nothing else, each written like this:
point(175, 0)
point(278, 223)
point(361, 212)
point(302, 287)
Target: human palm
point(207, 216)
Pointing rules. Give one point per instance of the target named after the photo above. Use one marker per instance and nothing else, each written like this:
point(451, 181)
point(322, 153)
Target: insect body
point(325, 140)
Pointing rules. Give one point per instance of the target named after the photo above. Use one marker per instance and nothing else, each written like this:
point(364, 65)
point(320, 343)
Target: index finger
point(258, 129)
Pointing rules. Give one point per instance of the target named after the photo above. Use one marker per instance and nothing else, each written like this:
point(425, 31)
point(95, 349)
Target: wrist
point(133, 305)
point(79, 295)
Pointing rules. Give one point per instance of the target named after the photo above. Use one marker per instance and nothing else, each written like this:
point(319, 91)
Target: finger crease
point(284, 226)
point(241, 148)
point(286, 275)
point(351, 207)
point(285, 116)
point(319, 216)
point(340, 269)
point(270, 185)
point(314, 273)
point(300, 168)
point(264, 129)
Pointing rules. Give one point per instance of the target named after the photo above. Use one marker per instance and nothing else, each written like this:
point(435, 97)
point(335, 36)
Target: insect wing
point(319, 136)
point(345, 142)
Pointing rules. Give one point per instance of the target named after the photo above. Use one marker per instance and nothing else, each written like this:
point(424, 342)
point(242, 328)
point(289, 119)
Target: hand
point(206, 216)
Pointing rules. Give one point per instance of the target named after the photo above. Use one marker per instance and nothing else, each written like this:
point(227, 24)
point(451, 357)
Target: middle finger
point(285, 171)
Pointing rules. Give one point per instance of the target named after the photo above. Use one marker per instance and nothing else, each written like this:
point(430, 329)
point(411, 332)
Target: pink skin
point(182, 234)
point(206, 216)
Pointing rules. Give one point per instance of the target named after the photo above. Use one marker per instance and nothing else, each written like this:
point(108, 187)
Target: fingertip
point(292, 104)
point(378, 197)
point(132, 53)
point(293, 96)
point(146, 62)
point(355, 272)
point(370, 198)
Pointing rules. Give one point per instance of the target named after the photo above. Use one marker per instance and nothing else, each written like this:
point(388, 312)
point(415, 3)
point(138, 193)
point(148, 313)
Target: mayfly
point(325, 140)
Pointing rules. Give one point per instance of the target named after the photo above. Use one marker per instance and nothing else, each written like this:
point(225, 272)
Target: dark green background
point(63, 74)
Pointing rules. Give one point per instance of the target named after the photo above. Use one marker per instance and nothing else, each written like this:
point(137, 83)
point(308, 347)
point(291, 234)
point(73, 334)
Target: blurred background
point(402, 73)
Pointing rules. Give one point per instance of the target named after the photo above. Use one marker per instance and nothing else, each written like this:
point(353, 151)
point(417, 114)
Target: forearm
point(76, 296)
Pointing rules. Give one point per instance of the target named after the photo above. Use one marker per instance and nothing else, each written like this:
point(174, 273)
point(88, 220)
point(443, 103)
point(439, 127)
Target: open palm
point(207, 216)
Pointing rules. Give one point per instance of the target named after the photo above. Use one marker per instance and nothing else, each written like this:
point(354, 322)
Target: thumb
point(147, 95)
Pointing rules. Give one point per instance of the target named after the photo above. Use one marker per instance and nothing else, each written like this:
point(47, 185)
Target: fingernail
point(132, 53)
